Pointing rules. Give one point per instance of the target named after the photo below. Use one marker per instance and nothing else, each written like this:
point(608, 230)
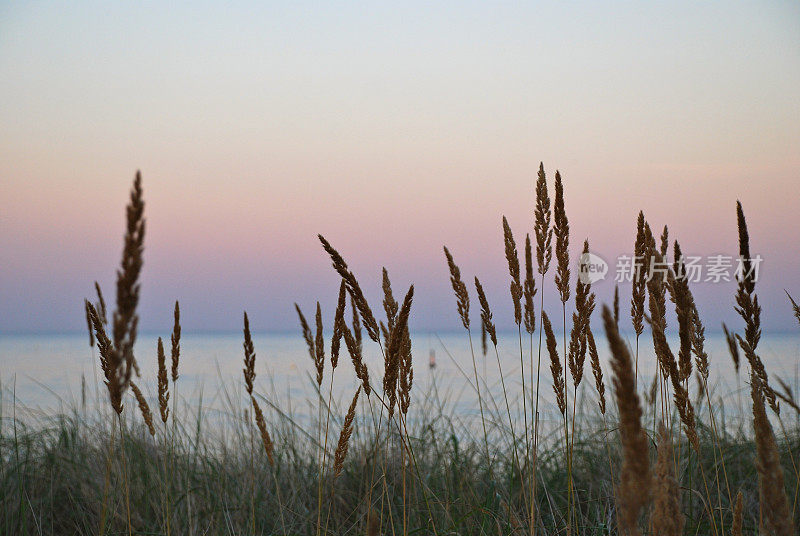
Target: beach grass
point(621, 456)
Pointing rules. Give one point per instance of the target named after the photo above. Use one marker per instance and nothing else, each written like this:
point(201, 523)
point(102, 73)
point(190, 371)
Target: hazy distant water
point(46, 372)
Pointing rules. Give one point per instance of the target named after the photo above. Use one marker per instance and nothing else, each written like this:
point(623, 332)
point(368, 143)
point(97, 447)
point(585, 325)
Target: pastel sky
point(392, 129)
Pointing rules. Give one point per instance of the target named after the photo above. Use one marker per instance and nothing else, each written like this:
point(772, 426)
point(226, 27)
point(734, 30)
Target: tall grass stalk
point(544, 235)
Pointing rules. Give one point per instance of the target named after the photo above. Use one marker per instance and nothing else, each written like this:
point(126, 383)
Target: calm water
point(45, 373)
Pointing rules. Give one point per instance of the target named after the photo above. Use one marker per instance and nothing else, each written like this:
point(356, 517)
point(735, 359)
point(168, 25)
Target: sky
point(392, 129)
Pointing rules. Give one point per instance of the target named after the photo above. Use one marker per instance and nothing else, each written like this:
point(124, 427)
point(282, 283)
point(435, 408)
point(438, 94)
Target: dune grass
point(394, 457)
point(52, 480)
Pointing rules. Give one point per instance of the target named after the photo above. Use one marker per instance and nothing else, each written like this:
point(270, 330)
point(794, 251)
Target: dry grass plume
point(633, 491)
point(555, 365)
point(176, 341)
point(777, 515)
point(542, 230)
point(353, 288)
point(667, 518)
point(459, 288)
point(163, 383)
point(144, 408)
point(344, 436)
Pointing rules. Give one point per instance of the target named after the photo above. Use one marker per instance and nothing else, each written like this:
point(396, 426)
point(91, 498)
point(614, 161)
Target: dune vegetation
point(644, 456)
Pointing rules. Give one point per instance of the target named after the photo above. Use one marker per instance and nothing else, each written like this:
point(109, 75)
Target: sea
point(44, 375)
